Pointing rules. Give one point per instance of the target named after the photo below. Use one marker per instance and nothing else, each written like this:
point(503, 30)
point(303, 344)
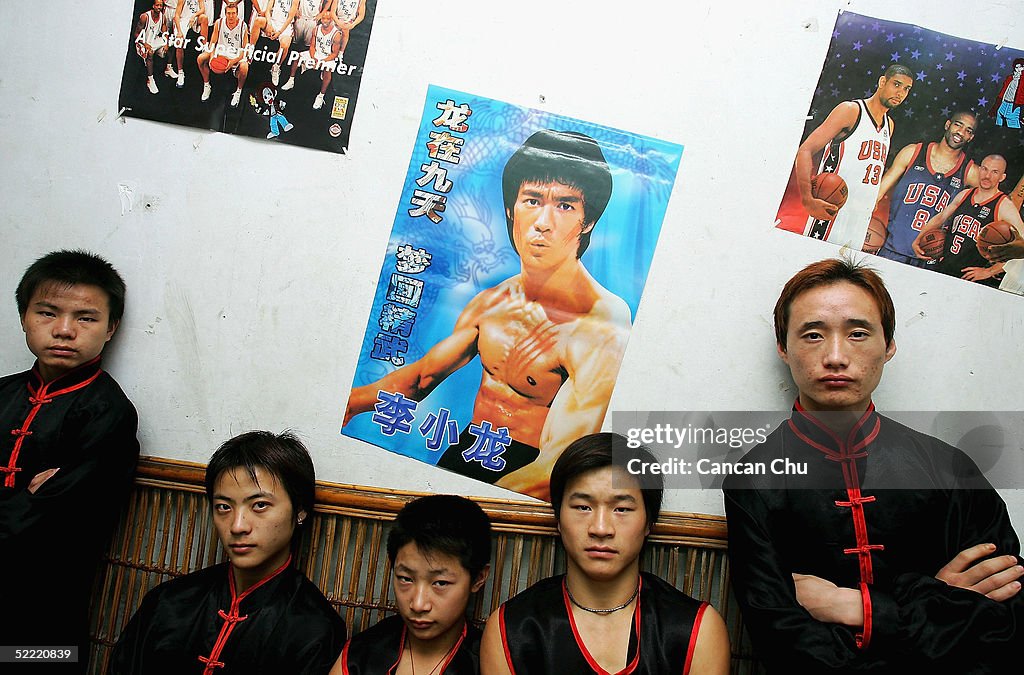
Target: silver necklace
point(603, 611)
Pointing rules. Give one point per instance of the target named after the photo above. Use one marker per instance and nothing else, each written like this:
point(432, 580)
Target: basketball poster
point(285, 71)
point(516, 263)
point(913, 151)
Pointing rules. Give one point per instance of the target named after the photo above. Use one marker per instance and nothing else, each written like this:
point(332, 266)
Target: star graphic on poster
point(938, 66)
point(945, 111)
point(995, 76)
point(895, 56)
point(961, 75)
point(921, 75)
point(835, 34)
point(857, 46)
point(982, 102)
point(915, 54)
point(890, 37)
point(949, 56)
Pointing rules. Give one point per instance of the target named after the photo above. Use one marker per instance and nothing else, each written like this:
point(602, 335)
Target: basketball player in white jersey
point(276, 24)
point(855, 137)
point(347, 15)
point(323, 53)
point(170, 8)
point(230, 38)
point(190, 15)
point(149, 40)
point(306, 20)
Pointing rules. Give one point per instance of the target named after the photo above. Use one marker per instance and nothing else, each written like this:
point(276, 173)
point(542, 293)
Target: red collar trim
point(631, 666)
point(70, 381)
point(232, 617)
point(974, 193)
point(814, 433)
point(39, 394)
point(928, 162)
point(452, 651)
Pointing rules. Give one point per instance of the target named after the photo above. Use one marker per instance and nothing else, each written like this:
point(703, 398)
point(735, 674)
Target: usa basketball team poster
point(913, 151)
point(515, 266)
point(286, 71)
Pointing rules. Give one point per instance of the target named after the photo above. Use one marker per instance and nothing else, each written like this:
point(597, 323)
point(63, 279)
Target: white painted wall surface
point(251, 266)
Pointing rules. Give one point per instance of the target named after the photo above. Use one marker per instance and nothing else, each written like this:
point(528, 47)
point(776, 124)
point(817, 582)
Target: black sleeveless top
point(539, 634)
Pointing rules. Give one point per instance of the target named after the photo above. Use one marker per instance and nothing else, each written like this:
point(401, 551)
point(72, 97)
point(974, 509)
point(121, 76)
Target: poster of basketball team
point(512, 277)
point(287, 71)
point(913, 150)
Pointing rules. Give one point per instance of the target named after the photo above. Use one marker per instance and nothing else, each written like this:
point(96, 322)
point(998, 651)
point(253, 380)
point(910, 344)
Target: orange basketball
point(830, 187)
point(932, 243)
point(875, 237)
point(219, 64)
point(993, 234)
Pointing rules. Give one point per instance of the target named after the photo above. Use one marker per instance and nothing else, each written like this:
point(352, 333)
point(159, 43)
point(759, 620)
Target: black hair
point(69, 268)
point(446, 524)
point(281, 455)
point(565, 157)
point(596, 451)
point(898, 69)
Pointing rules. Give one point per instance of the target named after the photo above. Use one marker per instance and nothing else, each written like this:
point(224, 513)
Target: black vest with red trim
point(199, 625)
point(539, 635)
point(378, 649)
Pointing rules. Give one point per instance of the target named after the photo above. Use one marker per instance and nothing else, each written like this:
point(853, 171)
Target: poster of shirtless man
point(515, 266)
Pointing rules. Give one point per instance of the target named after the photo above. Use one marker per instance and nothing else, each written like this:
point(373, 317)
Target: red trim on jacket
point(693, 638)
point(344, 658)
point(504, 639)
point(847, 452)
point(39, 395)
point(447, 660)
point(232, 617)
point(631, 666)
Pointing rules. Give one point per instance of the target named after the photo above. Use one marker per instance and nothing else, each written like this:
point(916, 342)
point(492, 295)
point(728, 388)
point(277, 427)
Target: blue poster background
point(470, 248)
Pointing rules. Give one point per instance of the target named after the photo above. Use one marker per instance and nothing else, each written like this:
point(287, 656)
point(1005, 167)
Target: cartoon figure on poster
point(1006, 109)
point(269, 106)
point(545, 332)
point(925, 93)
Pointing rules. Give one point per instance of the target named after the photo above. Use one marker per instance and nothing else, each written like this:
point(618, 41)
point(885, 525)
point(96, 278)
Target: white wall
point(251, 266)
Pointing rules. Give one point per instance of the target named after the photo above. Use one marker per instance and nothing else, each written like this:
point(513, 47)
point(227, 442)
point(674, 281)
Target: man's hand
point(1008, 251)
point(829, 603)
point(820, 209)
point(40, 478)
point(978, 273)
point(995, 578)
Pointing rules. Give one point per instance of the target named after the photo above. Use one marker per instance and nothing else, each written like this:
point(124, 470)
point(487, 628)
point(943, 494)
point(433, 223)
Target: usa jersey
point(961, 248)
point(920, 194)
point(859, 159)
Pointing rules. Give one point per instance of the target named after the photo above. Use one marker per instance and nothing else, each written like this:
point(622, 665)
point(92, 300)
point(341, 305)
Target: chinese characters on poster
point(515, 266)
